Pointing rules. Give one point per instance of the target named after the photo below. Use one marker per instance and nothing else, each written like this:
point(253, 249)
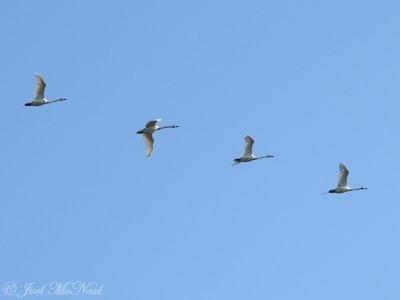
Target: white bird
point(148, 131)
point(39, 93)
point(342, 186)
point(248, 152)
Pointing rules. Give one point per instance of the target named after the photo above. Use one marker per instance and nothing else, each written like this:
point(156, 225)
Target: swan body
point(39, 93)
point(248, 152)
point(342, 186)
point(147, 133)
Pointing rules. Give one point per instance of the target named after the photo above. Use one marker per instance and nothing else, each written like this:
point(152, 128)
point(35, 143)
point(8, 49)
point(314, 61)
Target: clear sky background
point(314, 82)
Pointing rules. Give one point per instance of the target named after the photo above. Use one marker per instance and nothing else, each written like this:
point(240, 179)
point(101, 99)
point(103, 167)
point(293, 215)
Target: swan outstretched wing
point(153, 123)
point(248, 146)
point(40, 86)
point(148, 139)
point(342, 182)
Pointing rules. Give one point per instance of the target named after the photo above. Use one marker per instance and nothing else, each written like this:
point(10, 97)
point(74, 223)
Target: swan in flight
point(248, 152)
point(342, 186)
point(39, 93)
point(148, 131)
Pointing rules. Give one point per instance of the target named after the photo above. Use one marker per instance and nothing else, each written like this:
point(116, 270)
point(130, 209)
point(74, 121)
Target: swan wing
point(148, 139)
point(40, 86)
point(342, 182)
point(248, 146)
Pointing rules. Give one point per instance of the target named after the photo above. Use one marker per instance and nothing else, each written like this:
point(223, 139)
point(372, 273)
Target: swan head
point(237, 160)
point(331, 191)
point(28, 104)
point(140, 132)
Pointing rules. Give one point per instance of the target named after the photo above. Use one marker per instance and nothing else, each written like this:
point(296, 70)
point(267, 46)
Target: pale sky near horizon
point(314, 82)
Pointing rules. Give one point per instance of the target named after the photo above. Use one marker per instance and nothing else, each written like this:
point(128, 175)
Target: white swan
point(248, 152)
point(148, 131)
point(39, 93)
point(342, 186)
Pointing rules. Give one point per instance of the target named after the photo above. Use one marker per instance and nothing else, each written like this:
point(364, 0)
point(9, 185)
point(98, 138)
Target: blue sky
point(314, 82)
